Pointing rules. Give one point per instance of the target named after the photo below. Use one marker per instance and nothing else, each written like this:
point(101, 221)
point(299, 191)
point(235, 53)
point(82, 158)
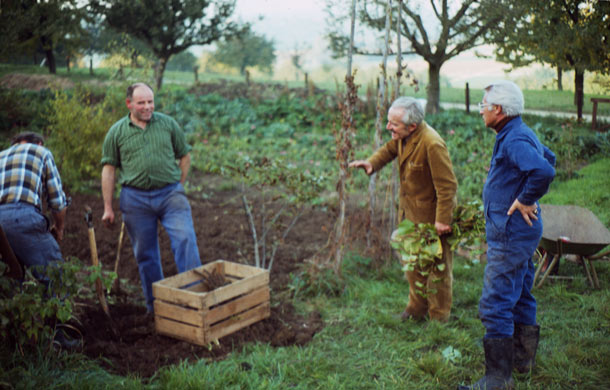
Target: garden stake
point(95, 261)
point(117, 282)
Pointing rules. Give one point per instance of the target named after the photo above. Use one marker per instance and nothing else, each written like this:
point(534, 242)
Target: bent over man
point(29, 176)
point(146, 146)
point(427, 195)
point(520, 173)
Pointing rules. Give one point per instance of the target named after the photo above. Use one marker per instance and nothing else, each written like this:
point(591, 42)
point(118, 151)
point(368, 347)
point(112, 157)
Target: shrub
point(29, 310)
point(27, 314)
point(20, 110)
point(77, 128)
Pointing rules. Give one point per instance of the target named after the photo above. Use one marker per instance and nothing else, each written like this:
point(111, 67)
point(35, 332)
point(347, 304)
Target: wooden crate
point(184, 310)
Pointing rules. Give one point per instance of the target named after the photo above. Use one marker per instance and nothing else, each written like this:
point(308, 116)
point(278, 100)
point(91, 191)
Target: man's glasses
point(483, 105)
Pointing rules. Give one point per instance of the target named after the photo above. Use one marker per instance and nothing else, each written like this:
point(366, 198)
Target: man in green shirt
point(151, 152)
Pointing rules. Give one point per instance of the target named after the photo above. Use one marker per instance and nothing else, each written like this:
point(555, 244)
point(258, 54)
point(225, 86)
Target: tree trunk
point(579, 81)
point(381, 108)
point(68, 64)
point(433, 88)
point(159, 70)
point(344, 143)
point(50, 61)
point(394, 177)
point(559, 76)
point(134, 59)
point(91, 65)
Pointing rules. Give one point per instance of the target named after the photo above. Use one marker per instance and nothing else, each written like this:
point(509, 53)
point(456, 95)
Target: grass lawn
point(364, 346)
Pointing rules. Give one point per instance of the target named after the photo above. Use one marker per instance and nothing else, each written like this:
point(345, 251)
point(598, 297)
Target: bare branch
point(257, 260)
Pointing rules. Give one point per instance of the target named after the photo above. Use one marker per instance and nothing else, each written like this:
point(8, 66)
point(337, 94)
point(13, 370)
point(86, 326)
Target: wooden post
point(196, 73)
point(467, 99)
point(595, 101)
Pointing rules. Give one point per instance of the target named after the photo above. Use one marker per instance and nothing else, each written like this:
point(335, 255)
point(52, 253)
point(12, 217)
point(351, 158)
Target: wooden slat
point(184, 278)
point(237, 306)
point(198, 288)
point(242, 270)
point(235, 289)
point(238, 322)
point(180, 314)
point(185, 332)
point(178, 296)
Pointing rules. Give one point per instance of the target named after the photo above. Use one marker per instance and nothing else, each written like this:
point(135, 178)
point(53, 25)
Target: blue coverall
point(521, 168)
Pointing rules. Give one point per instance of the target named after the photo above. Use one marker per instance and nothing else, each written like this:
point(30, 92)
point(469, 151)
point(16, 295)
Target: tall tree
point(169, 27)
point(567, 34)
point(456, 28)
point(29, 25)
point(453, 28)
point(246, 49)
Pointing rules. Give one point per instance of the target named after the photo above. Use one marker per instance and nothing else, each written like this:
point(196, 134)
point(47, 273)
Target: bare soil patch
point(223, 233)
point(34, 82)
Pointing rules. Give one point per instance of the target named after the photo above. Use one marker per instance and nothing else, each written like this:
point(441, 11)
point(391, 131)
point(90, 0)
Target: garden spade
point(95, 260)
point(117, 283)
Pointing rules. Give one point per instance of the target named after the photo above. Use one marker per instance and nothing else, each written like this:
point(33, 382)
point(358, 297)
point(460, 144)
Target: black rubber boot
point(498, 366)
point(525, 342)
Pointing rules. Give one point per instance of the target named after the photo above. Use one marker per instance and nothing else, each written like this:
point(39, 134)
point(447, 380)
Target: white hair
point(506, 94)
point(413, 110)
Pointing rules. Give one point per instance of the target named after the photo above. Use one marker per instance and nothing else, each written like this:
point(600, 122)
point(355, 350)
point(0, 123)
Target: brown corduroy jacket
point(427, 183)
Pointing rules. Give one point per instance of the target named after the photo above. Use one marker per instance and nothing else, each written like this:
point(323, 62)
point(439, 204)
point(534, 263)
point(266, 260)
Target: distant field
point(546, 100)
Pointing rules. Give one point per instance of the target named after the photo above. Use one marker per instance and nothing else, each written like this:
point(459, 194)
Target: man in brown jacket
point(427, 195)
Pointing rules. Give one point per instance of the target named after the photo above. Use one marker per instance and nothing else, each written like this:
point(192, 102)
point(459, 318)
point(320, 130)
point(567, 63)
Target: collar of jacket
point(514, 122)
point(407, 146)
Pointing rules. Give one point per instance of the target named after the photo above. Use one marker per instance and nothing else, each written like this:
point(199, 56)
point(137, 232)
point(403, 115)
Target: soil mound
point(130, 345)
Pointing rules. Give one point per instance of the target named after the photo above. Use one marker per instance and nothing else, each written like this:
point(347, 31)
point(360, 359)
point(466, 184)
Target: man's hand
point(108, 218)
point(441, 228)
point(57, 228)
point(528, 212)
point(58, 234)
point(368, 168)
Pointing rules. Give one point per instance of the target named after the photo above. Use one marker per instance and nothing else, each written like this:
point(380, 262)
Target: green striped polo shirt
point(146, 157)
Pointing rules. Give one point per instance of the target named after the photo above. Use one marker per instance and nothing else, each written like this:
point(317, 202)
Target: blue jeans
point(141, 212)
point(27, 231)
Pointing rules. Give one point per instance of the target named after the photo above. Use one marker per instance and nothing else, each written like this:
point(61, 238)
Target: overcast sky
point(289, 23)
point(296, 25)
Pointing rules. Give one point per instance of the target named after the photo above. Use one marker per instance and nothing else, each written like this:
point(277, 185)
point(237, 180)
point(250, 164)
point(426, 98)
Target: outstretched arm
point(364, 164)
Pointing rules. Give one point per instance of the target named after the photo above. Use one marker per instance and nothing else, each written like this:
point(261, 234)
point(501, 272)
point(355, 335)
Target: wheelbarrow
point(571, 230)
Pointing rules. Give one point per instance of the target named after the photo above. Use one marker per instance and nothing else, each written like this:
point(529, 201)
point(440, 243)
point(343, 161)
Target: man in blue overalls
point(520, 173)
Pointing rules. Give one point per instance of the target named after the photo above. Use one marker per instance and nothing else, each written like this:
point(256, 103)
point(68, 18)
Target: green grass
point(590, 188)
point(545, 100)
point(364, 346)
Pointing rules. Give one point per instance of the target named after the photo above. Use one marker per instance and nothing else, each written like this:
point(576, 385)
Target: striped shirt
point(28, 174)
point(146, 157)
